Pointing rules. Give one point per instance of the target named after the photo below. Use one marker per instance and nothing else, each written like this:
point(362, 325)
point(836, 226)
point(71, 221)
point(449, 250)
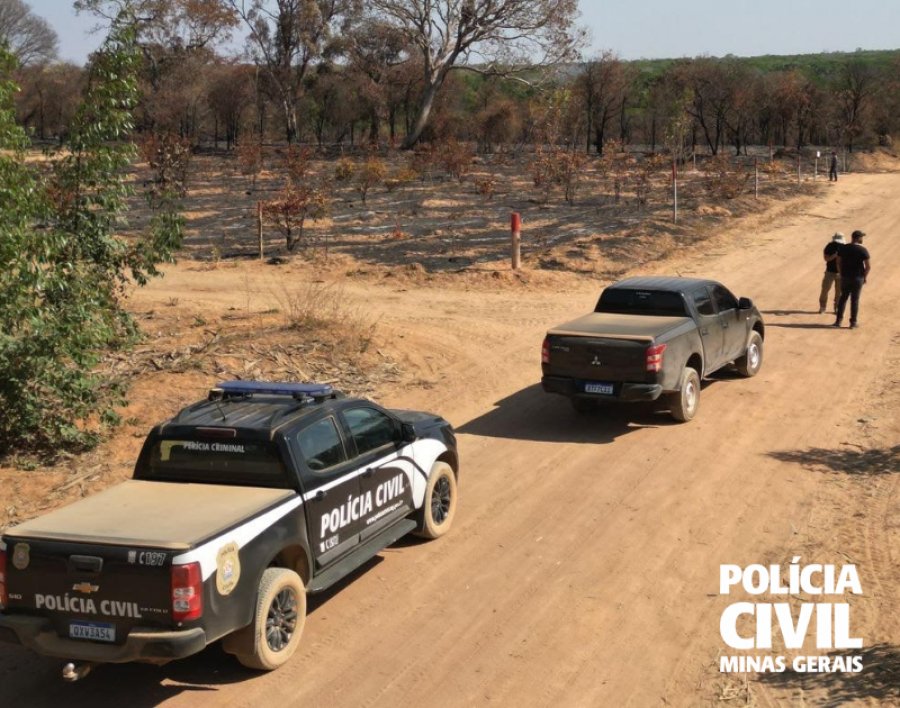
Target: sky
point(656, 29)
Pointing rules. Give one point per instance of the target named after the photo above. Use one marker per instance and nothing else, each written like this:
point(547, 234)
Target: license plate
point(98, 631)
point(605, 388)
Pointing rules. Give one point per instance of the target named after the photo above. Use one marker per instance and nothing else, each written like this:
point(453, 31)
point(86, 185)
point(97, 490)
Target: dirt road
point(583, 567)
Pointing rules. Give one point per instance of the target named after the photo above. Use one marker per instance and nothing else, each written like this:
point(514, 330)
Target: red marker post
point(515, 222)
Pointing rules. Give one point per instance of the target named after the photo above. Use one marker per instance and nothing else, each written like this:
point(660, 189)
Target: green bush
point(63, 266)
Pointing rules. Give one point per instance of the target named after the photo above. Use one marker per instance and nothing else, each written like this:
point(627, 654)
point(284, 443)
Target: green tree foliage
point(64, 264)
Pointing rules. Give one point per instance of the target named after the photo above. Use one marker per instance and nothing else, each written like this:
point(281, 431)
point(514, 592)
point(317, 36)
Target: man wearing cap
point(831, 276)
point(853, 266)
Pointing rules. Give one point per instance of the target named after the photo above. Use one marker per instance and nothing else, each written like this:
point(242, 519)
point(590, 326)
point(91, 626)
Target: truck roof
point(661, 282)
point(261, 412)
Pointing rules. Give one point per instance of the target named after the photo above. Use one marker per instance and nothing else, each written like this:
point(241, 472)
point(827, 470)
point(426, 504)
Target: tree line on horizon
point(341, 72)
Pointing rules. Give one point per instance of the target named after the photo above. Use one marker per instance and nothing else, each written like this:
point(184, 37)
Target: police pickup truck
point(239, 506)
point(653, 337)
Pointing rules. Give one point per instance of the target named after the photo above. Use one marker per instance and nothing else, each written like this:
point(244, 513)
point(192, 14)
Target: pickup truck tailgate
point(605, 347)
point(92, 592)
point(597, 358)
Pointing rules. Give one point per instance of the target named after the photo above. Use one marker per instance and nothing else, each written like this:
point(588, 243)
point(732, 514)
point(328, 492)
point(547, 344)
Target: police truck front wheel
point(439, 506)
point(274, 634)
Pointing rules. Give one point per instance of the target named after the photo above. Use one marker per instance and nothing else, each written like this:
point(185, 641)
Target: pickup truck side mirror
point(745, 303)
point(407, 433)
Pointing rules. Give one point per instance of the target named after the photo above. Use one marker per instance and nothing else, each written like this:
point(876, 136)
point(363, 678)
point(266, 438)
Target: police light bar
point(297, 390)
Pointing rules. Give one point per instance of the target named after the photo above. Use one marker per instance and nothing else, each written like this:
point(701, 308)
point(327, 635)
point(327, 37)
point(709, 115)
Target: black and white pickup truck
point(239, 506)
point(652, 337)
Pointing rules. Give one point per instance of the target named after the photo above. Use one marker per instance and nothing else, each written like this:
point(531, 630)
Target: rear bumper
point(621, 391)
point(143, 644)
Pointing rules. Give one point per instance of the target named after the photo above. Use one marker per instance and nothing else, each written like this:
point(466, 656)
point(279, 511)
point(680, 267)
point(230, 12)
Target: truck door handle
point(321, 495)
point(368, 473)
point(704, 331)
point(724, 325)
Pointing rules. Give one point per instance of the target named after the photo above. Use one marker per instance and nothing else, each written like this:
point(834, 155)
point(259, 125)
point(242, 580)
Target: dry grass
point(324, 309)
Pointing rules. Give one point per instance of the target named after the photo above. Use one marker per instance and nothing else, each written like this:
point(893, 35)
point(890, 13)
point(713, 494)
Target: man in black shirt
point(832, 168)
point(853, 265)
point(831, 277)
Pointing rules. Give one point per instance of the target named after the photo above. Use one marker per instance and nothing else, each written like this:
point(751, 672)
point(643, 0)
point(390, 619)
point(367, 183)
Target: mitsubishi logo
point(595, 361)
point(86, 588)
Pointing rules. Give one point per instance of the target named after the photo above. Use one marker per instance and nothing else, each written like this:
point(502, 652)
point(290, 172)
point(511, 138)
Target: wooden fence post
point(259, 228)
point(756, 177)
point(674, 191)
point(516, 228)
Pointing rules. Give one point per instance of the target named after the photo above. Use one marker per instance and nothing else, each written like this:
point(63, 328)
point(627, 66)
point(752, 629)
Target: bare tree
point(287, 37)
point(707, 81)
point(49, 98)
point(855, 89)
point(887, 109)
point(28, 36)
point(177, 40)
point(373, 50)
point(485, 36)
point(230, 93)
point(601, 85)
point(177, 24)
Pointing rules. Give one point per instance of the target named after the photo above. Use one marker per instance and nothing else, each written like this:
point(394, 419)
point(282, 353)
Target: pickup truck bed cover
point(617, 326)
point(152, 514)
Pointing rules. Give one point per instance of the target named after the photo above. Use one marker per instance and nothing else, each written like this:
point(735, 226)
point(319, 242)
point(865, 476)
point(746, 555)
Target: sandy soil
point(583, 567)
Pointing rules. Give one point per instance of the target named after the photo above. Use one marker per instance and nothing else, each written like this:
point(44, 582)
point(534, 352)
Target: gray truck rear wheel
point(684, 402)
point(271, 639)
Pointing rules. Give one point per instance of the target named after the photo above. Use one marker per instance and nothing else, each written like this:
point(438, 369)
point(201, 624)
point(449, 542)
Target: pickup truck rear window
point(227, 461)
point(656, 303)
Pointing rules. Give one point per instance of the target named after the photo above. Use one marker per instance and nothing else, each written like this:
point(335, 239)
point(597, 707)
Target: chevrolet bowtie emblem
point(86, 588)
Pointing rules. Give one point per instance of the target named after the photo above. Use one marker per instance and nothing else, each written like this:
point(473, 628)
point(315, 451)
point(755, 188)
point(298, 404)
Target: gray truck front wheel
point(684, 402)
point(749, 364)
point(271, 639)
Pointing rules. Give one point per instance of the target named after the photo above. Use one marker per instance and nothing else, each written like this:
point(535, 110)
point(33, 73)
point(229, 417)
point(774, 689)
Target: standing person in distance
point(832, 168)
point(831, 277)
point(854, 267)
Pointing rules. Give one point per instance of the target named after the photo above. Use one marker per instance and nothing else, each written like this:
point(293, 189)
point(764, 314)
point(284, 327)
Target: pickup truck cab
point(652, 337)
point(239, 506)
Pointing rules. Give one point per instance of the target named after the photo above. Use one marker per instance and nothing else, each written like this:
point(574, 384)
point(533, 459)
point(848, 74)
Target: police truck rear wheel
point(684, 402)
point(439, 506)
point(274, 634)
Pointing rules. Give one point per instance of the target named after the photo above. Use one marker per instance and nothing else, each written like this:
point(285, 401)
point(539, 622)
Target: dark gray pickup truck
point(650, 337)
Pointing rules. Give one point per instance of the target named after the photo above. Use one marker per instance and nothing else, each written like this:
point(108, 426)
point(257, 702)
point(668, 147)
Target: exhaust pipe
point(72, 672)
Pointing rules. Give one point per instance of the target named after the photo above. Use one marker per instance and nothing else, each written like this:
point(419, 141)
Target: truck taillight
point(545, 351)
point(654, 357)
point(187, 592)
point(3, 594)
